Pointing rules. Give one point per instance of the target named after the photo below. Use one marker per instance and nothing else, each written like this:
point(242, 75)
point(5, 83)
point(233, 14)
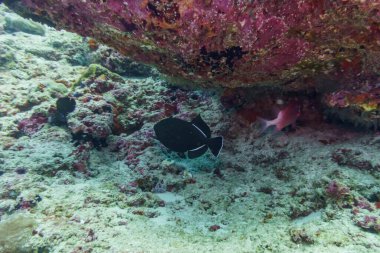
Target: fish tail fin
point(263, 124)
point(215, 145)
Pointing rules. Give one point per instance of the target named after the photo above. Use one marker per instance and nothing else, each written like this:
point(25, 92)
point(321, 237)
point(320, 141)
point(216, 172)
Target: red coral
point(133, 147)
point(214, 228)
point(167, 109)
point(371, 223)
point(82, 156)
point(336, 190)
point(31, 125)
point(363, 203)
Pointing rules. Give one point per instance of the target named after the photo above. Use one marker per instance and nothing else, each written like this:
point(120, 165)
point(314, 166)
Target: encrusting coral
point(229, 43)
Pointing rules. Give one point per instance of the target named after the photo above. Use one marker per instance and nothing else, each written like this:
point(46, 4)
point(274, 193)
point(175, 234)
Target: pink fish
point(285, 117)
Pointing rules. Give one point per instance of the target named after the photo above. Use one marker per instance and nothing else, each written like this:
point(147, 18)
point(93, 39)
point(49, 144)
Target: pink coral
point(370, 223)
point(31, 125)
point(228, 42)
point(336, 190)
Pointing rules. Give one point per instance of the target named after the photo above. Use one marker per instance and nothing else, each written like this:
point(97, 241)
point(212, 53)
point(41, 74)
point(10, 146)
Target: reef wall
point(230, 43)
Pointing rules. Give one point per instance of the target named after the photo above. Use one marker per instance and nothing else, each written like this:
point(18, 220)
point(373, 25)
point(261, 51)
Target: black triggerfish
point(192, 137)
point(65, 105)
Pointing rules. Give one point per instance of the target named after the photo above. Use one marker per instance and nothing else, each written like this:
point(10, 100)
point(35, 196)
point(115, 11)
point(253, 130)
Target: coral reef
point(354, 159)
point(7, 58)
point(300, 236)
point(93, 118)
point(371, 223)
point(359, 106)
point(122, 65)
point(229, 43)
point(101, 182)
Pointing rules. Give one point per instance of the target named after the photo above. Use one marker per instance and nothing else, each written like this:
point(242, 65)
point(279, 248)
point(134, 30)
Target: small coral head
point(336, 190)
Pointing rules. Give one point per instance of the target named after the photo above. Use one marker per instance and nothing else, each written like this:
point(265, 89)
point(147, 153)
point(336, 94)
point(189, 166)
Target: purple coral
point(371, 223)
point(336, 190)
point(363, 203)
point(31, 125)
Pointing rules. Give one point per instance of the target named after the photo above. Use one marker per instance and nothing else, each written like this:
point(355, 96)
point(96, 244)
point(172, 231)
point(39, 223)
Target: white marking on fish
point(200, 130)
point(220, 147)
point(197, 148)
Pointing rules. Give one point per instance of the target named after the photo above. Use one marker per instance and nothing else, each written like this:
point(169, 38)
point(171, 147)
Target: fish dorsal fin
point(199, 123)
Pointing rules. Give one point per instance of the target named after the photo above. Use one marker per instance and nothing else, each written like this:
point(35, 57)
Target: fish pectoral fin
point(197, 152)
point(201, 125)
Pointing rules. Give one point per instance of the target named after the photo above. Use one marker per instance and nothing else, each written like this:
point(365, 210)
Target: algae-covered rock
point(7, 58)
point(15, 233)
point(46, 53)
point(15, 23)
point(120, 64)
point(359, 107)
point(96, 70)
point(93, 118)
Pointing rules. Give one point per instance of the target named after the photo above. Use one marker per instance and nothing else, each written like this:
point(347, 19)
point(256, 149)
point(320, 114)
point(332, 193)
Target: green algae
point(94, 71)
point(7, 58)
point(14, 23)
point(15, 233)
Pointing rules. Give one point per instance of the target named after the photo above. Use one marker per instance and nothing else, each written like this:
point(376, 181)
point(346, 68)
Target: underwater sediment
point(91, 176)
